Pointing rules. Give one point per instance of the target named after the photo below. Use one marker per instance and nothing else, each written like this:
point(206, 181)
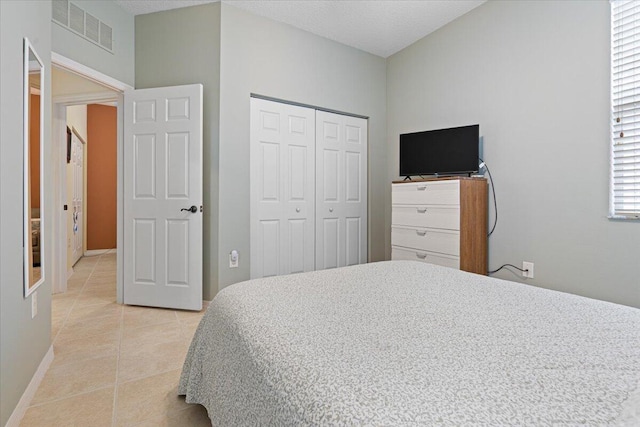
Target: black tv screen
point(440, 152)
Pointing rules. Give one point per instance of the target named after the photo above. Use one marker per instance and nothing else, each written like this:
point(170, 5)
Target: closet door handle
point(330, 209)
point(421, 210)
point(421, 233)
point(421, 256)
point(422, 188)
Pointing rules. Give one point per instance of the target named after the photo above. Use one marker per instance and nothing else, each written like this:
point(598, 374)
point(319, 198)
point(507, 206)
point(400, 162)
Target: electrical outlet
point(528, 267)
point(233, 259)
point(34, 304)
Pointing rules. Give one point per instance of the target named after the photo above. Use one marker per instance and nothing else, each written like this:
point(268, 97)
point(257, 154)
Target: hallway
point(114, 365)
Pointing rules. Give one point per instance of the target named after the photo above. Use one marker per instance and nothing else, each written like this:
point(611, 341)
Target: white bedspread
point(407, 343)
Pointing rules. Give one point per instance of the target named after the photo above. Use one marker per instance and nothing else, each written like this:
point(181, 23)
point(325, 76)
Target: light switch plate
point(234, 258)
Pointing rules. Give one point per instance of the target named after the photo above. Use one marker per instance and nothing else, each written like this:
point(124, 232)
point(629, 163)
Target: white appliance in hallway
point(308, 189)
point(163, 197)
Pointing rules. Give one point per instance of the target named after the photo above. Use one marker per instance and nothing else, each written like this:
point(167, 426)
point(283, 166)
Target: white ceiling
point(381, 27)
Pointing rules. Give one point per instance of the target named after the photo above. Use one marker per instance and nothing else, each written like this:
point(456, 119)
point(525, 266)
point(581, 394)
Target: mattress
point(408, 343)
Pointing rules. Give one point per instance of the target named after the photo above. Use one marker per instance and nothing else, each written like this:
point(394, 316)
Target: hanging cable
point(507, 265)
point(493, 191)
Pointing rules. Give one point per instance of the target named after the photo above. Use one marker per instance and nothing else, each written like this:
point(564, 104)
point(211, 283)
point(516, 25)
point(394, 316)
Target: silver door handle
point(421, 233)
point(297, 209)
point(422, 188)
point(421, 256)
point(330, 209)
point(421, 210)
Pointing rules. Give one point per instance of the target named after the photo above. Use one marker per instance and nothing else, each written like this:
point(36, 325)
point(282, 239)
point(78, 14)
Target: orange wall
point(34, 149)
point(101, 176)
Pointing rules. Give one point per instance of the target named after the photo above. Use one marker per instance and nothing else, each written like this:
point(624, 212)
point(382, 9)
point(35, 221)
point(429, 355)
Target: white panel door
point(341, 190)
point(163, 197)
point(77, 166)
point(282, 188)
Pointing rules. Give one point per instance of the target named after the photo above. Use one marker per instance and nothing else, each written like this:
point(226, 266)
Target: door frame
point(59, 150)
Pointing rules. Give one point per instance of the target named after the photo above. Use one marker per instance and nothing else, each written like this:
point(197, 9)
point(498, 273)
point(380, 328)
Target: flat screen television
point(449, 151)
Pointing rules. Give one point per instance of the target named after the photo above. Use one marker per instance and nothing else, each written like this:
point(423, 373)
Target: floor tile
point(189, 329)
point(193, 416)
point(134, 338)
point(81, 349)
point(190, 316)
point(134, 317)
point(149, 398)
point(94, 311)
point(66, 380)
point(81, 328)
point(90, 298)
point(90, 409)
point(150, 359)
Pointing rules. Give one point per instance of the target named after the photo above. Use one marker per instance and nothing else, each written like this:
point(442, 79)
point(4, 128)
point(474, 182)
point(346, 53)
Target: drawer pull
point(421, 256)
point(421, 210)
point(422, 188)
point(421, 233)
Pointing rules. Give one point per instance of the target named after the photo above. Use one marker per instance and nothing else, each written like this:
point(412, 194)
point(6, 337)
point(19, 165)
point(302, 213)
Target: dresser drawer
point(425, 256)
point(426, 193)
point(442, 241)
point(426, 216)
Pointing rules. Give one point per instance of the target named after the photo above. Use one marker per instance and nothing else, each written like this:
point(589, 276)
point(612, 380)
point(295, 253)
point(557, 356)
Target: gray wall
point(23, 341)
point(120, 63)
point(169, 58)
point(535, 75)
point(265, 57)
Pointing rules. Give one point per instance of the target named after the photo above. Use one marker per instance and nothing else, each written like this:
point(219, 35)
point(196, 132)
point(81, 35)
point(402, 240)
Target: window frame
point(633, 215)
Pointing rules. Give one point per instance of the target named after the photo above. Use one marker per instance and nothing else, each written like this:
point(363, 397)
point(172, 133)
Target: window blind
point(625, 80)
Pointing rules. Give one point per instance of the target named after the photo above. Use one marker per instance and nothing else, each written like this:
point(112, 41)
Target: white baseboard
point(94, 252)
point(27, 396)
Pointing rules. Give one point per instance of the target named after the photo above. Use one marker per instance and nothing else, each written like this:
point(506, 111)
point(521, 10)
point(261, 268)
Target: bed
point(409, 343)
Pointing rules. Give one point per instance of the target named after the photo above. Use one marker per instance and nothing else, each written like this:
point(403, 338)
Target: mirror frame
point(28, 288)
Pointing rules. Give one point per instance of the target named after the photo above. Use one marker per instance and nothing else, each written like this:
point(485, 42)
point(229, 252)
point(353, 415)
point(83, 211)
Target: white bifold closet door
point(341, 190)
point(308, 189)
point(282, 188)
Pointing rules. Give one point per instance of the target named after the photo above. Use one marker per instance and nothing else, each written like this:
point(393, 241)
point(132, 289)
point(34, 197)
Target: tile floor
point(114, 365)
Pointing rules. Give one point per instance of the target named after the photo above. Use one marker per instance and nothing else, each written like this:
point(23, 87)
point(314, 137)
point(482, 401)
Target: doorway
point(75, 86)
point(91, 181)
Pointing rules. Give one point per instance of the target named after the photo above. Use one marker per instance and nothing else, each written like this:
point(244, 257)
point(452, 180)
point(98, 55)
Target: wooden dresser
point(441, 221)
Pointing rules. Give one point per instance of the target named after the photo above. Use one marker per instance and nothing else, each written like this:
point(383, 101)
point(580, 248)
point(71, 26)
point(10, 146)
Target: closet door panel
point(341, 189)
point(282, 189)
point(353, 241)
point(330, 243)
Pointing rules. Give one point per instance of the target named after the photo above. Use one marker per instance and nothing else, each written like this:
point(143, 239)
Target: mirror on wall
point(33, 82)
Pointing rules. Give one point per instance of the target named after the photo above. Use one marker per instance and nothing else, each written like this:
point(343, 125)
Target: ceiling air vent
point(89, 27)
point(106, 36)
point(76, 18)
point(60, 12)
point(92, 28)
